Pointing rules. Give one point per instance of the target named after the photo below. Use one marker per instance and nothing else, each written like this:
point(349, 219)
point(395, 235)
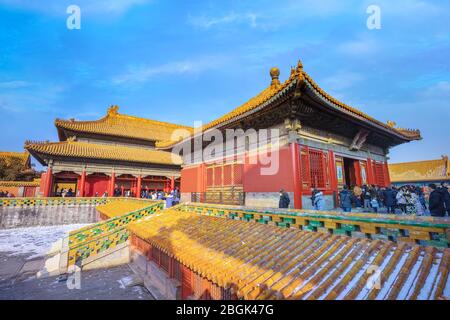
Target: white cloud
point(143, 73)
point(30, 98)
point(342, 80)
point(206, 22)
point(439, 90)
point(363, 46)
point(15, 84)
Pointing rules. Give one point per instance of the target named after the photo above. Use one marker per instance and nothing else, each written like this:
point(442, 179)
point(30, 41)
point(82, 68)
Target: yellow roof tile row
point(119, 208)
point(267, 262)
point(431, 170)
point(34, 183)
point(115, 124)
point(78, 149)
point(297, 77)
point(22, 156)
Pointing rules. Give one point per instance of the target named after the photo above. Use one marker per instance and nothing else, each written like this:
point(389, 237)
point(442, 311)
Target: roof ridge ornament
point(275, 74)
point(113, 110)
point(299, 65)
point(391, 124)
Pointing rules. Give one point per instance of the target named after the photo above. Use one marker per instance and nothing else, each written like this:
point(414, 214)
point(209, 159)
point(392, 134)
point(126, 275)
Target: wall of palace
point(20, 217)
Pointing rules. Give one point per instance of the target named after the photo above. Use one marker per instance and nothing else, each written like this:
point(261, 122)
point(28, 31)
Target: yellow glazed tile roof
point(23, 156)
point(298, 77)
point(78, 149)
point(34, 183)
point(120, 125)
point(266, 262)
point(119, 208)
point(430, 170)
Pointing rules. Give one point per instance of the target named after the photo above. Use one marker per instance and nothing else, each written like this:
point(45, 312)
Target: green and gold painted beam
point(419, 230)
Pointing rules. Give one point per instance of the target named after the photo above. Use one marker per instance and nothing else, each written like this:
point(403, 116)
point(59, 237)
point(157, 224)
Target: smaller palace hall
point(116, 152)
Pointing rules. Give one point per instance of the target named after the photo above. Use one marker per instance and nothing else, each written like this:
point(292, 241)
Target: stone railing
point(60, 201)
point(94, 239)
point(56, 201)
point(428, 231)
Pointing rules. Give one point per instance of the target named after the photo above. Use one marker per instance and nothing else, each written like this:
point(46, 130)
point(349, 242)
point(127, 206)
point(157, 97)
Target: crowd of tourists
point(172, 198)
point(64, 192)
point(6, 194)
point(407, 199)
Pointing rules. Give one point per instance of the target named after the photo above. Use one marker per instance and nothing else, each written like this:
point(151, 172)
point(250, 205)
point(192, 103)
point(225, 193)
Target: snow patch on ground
point(33, 241)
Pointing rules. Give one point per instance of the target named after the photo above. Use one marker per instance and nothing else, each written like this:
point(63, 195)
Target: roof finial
point(113, 110)
point(274, 74)
point(299, 65)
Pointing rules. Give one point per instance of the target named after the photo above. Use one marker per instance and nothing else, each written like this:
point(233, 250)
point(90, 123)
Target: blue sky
point(182, 61)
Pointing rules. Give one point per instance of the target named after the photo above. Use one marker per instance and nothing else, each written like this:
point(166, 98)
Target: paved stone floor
point(18, 282)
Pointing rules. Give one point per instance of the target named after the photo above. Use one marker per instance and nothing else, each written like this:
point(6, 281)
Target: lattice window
point(155, 254)
point(218, 176)
point(238, 169)
point(379, 174)
point(209, 176)
point(316, 162)
point(227, 174)
point(177, 274)
point(306, 176)
point(164, 261)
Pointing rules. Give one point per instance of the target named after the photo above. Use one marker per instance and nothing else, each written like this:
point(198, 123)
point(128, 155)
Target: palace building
point(420, 173)
point(14, 187)
point(323, 144)
point(116, 152)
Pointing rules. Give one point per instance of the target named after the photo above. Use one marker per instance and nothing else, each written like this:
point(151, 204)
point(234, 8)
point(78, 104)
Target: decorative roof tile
point(267, 262)
point(120, 125)
point(298, 77)
point(77, 149)
point(431, 170)
point(22, 156)
point(34, 183)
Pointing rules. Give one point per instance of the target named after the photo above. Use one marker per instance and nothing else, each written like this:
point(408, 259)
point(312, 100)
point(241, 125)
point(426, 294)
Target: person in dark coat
point(284, 199)
point(390, 199)
point(345, 199)
point(444, 190)
point(436, 201)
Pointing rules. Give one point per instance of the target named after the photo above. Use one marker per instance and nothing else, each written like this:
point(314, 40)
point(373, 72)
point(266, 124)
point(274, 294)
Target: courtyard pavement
point(18, 282)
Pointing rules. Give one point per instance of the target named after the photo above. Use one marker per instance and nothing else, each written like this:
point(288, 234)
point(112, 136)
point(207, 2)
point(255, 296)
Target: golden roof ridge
point(81, 149)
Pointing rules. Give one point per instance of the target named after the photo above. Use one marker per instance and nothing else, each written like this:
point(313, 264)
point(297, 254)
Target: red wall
point(255, 182)
point(192, 178)
point(189, 179)
point(96, 184)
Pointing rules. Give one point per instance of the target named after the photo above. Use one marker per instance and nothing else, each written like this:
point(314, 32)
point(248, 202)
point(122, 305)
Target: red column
point(332, 164)
point(370, 178)
point(139, 187)
point(112, 182)
point(296, 174)
point(48, 183)
point(201, 178)
point(172, 183)
point(82, 183)
point(357, 168)
point(387, 177)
